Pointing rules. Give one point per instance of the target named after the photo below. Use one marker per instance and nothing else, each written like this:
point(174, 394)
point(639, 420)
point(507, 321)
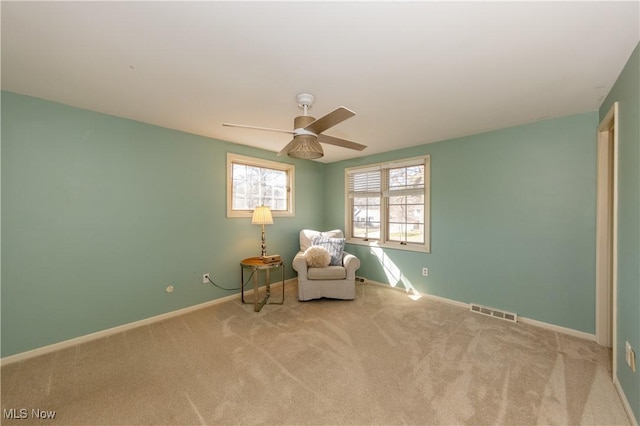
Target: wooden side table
point(256, 265)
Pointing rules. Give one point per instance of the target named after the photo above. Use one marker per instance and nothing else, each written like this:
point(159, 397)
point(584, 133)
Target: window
point(252, 182)
point(388, 204)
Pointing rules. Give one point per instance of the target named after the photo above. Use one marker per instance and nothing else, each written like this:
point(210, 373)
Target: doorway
point(606, 232)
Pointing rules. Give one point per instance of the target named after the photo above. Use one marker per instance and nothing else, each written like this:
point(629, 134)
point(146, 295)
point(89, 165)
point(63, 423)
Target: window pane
point(406, 204)
point(366, 217)
point(415, 233)
point(397, 231)
point(406, 232)
point(406, 178)
point(397, 177)
point(397, 214)
point(254, 186)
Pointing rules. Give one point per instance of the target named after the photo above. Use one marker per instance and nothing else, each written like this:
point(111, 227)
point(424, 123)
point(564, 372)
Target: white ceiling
point(414, 72)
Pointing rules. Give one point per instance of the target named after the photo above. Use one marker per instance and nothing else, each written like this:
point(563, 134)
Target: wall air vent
point(507, 316)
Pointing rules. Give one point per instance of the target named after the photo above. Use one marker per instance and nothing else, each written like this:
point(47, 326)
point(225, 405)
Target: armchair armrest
point(299, 264)
point(351, 264)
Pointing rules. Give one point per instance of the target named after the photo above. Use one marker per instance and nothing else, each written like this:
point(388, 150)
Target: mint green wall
point(512, 221)
point(626, 91)
point(100, 214)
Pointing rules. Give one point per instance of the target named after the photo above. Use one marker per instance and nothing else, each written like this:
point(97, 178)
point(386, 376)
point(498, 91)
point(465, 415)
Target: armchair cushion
point(335, 247)
point(328, 273)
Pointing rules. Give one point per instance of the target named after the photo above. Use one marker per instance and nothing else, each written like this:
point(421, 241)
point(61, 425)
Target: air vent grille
point(507, 316)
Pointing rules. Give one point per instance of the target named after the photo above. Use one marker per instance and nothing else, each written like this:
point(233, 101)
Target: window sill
point(393, 246)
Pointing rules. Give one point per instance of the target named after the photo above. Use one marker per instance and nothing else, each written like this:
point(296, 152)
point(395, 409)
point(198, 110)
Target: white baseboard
point(118, 329)
point(558, 328)
point(521, 319)
point(445, 300)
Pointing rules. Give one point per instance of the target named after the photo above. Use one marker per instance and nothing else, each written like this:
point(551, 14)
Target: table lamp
point(262, 216)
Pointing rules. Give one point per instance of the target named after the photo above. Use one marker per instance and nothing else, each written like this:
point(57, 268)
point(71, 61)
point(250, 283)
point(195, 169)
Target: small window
point(388, 204)
point(253, 182)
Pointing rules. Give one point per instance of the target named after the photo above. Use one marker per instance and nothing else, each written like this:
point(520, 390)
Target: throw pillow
point(306, 235)
point(317, 257)
point(335, 247)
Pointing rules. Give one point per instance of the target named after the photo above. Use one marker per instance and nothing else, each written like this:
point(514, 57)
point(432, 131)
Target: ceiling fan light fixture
point(307, 147)
point(308, 132)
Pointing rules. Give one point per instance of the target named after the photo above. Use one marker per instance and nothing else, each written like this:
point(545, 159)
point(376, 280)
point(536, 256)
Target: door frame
point(607, 231)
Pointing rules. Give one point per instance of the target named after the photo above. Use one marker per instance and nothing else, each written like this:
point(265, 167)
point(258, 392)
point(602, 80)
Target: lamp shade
point(262, 216)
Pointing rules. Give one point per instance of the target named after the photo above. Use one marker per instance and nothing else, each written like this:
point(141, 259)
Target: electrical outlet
point(205, 278)
point(630, 356)
point(627, 352)
point(425, 272)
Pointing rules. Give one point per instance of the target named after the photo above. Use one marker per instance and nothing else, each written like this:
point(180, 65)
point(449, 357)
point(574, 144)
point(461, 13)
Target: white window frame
point(289, 169)
point(384, 206)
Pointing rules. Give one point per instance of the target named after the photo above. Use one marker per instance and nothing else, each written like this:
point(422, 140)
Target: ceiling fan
point(307, 131)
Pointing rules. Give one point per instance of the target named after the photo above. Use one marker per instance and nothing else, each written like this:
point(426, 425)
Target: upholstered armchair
point(335, 281)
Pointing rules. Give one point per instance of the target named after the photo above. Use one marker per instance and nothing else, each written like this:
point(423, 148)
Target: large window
point(252, 182)
point(388, 204)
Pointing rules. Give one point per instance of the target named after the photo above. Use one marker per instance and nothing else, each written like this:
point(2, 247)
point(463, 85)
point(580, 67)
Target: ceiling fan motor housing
point(302, 121)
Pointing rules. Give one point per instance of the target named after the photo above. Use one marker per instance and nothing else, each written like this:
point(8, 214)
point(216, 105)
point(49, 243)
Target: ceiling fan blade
point(340, 142)
point(287, 148)
point(257, 128)
point(336, 116)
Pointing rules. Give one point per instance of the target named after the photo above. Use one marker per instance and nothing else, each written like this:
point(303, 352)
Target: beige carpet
point(381, 359)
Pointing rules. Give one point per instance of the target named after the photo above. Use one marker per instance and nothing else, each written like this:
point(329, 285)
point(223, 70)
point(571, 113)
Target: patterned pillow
point(335, 247)
point(306, 235)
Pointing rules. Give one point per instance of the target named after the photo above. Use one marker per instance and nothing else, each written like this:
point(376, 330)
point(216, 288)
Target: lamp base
point(264, 243)
point(272, 258)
